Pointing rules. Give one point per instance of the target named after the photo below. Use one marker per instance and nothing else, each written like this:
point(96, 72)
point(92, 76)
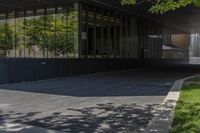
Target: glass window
point(9, 35)
point(3, 35)
point(20, 31)
point(29, 27)
point(72, 31)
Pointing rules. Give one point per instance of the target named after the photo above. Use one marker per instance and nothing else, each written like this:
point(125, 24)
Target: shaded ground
point(99, 118)
point(109, 102)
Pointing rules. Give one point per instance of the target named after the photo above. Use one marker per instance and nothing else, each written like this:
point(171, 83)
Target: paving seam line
point(163, 118)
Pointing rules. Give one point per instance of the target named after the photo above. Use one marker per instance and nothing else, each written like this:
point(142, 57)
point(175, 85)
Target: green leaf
point(163, 6)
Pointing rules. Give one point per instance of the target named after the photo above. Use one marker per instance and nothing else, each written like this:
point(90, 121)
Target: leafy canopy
point(53, 33)
point(163, 6)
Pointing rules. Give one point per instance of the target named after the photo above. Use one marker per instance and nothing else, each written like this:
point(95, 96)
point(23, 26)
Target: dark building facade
point(83, 32)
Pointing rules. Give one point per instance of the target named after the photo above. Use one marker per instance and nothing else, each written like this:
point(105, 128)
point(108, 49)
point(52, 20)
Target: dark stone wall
point(23, 70)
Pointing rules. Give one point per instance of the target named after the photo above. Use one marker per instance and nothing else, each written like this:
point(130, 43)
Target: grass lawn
point(187, 114)
point(195, 79)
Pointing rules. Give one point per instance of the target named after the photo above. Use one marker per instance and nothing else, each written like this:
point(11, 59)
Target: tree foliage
point(5, 38)
point(53, 33)
point(163, 6)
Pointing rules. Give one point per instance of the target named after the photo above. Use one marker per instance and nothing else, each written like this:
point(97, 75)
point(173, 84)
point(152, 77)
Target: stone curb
point(163, 119)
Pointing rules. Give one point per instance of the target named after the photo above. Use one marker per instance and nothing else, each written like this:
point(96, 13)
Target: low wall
point(195, 60)
point(23, 70)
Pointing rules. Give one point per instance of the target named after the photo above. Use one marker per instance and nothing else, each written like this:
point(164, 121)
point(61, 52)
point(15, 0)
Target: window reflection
point(81, 30)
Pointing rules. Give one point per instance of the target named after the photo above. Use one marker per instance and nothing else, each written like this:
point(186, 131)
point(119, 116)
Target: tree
point(6, 39)
point(52, 33)
point(163, 6)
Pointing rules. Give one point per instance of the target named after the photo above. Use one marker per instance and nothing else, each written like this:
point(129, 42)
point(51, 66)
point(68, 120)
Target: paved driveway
point(123, 101)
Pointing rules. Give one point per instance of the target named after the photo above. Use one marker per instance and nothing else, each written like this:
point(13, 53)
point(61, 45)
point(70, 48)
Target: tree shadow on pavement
point(101, 118)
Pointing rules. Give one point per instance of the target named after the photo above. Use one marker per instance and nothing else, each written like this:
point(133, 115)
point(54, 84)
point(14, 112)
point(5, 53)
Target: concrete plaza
point(123, 101)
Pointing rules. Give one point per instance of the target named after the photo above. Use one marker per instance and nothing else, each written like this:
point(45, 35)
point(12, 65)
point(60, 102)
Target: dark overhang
point(185, 19)
point(9, 5)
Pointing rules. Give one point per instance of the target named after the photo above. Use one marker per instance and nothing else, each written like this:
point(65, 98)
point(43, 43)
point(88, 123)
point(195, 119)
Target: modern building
point(83, 36)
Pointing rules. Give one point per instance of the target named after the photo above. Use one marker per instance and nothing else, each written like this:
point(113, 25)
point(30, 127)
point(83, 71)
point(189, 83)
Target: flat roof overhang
point(185, 19)
point(10, 5)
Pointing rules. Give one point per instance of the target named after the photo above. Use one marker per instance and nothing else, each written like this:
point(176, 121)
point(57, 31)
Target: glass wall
point(175, 44)
point(107, 33)
point(42, 33)
point(150, 39)
point(6, 35)
point(81, 30)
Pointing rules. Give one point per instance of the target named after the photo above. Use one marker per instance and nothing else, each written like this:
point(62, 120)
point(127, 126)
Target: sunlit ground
point(187, 115)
